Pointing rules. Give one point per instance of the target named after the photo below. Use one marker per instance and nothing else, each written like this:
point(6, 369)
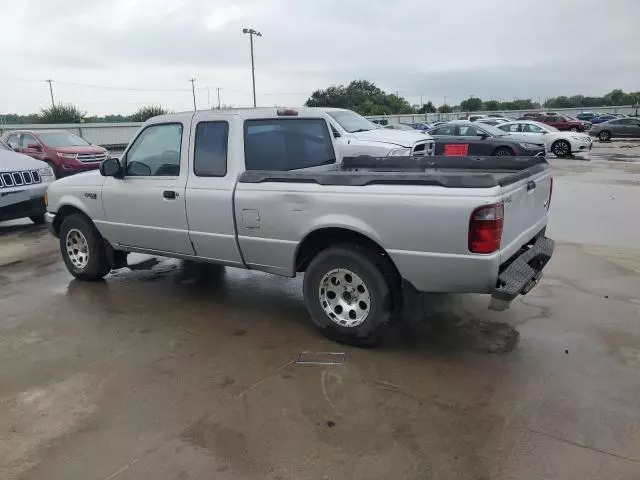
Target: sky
point(118, 55)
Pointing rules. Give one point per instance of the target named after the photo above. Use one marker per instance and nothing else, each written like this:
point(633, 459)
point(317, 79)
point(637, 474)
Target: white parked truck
point(356, 136)
point(266, 189)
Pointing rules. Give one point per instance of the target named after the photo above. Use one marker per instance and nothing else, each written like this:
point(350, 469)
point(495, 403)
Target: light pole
point(193, 92)
point(251, 32)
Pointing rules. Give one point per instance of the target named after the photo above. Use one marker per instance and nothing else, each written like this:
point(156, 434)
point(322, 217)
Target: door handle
point(169, 194)
point(531, 186)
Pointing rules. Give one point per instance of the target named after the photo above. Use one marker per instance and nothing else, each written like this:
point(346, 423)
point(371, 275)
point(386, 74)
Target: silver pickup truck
point(265, 189)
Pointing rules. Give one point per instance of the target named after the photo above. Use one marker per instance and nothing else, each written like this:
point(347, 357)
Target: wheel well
point(63, 213)
point(503, 147)
point(323, 238)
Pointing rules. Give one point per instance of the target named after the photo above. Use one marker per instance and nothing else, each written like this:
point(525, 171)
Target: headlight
point(529, 145)
point(399, 152)
point(46, 172)
point(67, 155)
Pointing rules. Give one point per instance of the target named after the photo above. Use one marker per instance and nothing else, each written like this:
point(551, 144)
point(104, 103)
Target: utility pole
point(193, 91)
point(251, 32)
point(421, 102)
point(208, 98)
point(218, 89)
point(53, 104)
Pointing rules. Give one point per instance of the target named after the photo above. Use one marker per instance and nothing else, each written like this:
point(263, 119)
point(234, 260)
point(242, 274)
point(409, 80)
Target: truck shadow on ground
point(445, 326)
point(22, 229)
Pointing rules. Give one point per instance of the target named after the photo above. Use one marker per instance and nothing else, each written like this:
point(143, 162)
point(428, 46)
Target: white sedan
point(561, 144)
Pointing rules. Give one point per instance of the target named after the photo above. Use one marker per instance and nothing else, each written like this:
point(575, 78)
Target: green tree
point(61, 114)
point(428, 107)
point(445, 109)
point(491, 105)
point(361, 96)
point(471, 104)
point(145, 113)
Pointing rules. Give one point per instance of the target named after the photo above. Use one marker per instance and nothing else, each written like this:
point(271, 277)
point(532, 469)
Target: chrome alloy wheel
point(344, 297)
point(77, 248)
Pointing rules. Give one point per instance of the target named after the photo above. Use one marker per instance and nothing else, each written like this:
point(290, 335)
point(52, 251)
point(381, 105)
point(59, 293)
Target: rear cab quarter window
point(287, 144)
point(211, 147)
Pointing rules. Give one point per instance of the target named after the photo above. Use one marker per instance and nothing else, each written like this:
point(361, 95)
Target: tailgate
point(525, 211)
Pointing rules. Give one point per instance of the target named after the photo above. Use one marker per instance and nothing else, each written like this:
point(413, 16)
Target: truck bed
point(451, 172)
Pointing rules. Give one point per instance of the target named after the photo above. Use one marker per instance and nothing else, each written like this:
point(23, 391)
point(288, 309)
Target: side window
point(156, 152)
point(210, 152)
point(287, 144)
point(13, 141)
point(516, 127)
point(445, 130)
point(626, 121)
point(468, 131)
point(26, 140)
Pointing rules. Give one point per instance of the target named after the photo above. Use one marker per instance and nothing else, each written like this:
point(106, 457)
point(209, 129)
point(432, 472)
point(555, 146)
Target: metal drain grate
point(320, 358)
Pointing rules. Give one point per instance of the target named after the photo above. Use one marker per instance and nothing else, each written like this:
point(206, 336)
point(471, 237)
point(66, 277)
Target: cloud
point(492, 48)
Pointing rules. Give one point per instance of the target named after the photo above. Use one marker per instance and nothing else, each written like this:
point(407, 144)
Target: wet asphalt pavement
point(165, 371)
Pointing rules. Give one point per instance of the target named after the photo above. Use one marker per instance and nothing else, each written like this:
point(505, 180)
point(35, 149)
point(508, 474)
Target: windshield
point(62, 139)
point(351, 121)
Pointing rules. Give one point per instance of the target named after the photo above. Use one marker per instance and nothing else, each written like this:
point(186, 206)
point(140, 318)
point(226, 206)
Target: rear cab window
point(211, 144)
point(281, 144)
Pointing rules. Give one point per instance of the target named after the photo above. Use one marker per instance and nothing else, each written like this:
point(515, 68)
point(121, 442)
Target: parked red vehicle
point(565, 123)
point(65, 152)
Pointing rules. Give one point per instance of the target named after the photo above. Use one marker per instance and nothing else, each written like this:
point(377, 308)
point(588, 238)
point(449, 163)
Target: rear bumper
point(521, 273)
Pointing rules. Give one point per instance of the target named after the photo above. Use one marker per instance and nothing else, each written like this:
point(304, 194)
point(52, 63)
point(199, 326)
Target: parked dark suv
point(65, 152)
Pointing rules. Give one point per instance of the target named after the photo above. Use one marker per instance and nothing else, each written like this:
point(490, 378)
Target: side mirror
point(34, 146)
point(336, 134)
point(483, 135)
point(111, 167)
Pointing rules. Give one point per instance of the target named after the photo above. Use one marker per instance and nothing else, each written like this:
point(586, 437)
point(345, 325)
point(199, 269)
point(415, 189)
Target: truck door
point(146, 208)
point(210, 188)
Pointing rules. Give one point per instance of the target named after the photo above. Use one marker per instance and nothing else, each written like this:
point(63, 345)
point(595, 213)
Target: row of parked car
point(564, 134)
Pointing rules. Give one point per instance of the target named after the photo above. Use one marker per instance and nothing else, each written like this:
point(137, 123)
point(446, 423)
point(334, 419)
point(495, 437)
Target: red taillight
point(485, 228)
point(550, 192)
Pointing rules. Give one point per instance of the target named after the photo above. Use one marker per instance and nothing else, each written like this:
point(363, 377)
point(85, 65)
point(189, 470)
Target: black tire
point(574, 129)
point(503, 152)
point(56, 174)
point(561, 148)
point(604, 135)
point(382, 284)
point(37, 219)
point(97, 264)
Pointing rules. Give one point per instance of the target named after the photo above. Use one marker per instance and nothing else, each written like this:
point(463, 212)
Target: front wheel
point(83, 249)
point(561, 148)
point(574, 129)
point(351, 293)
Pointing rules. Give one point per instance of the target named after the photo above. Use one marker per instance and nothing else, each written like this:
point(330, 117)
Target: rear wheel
point(604, 135)
point(352, 293)
point(83, 249)
point(561, 148)
point(503, 152)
